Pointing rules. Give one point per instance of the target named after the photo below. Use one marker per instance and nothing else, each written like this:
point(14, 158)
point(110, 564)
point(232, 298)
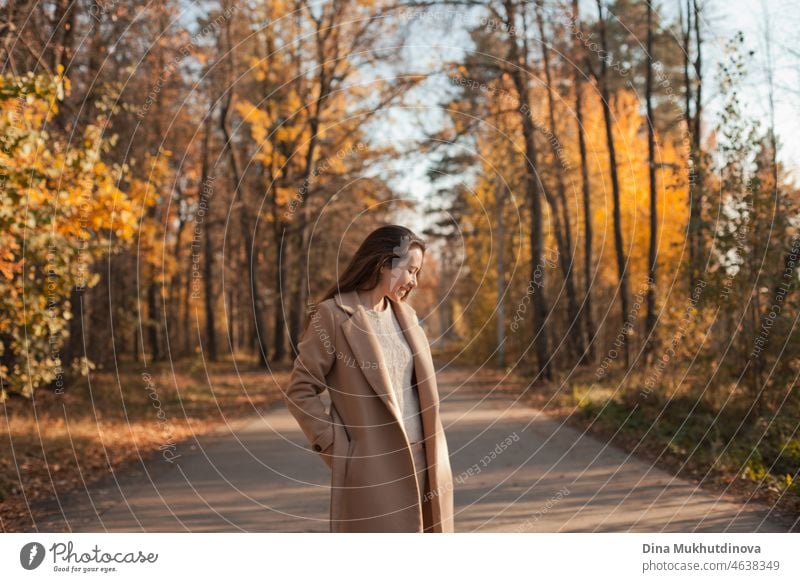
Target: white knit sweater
point(400, 365)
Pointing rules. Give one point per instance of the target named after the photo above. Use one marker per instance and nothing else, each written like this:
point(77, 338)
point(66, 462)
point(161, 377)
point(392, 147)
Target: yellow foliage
point(72, 205)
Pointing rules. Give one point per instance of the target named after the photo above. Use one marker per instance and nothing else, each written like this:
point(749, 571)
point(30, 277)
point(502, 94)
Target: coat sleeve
point(316, 356)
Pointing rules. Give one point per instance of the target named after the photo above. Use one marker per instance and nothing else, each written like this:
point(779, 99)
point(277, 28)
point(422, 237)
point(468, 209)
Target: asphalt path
point(515, 468)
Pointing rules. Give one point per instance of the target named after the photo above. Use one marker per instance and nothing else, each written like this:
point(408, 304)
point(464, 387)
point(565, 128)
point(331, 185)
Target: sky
point(436, 39)
point(749, 17)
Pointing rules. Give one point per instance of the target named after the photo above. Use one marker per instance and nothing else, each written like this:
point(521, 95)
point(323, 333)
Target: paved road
point(257, 476)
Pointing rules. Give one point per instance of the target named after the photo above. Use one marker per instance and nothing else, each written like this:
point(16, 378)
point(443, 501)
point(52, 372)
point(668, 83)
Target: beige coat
point(373, 487)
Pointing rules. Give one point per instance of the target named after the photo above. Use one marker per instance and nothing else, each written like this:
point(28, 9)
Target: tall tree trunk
point(650, 318)
point(155, 135)
point(612, 159)
point(301, 238)
point(696, 194)
point(303, 217)
point(153, 323)
point(279, 338)
point(208, 248)
point(247, 236)
point(518, 58)
point(587, 201)
point(574, 331)
point(238, 199)
point(686, 33)
point(279, 242)
point(74, 344)
point(698, 112)
point(176, 284)
point(500, 199)
point(185, 322)
point(231, 319)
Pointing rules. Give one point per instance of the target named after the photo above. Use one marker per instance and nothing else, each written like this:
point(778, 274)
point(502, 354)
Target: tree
point(650, 318)
point(73, 213)
point(602, 79)
point(560, 206)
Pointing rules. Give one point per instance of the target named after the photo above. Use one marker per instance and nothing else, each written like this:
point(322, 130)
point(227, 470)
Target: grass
point(53, 444)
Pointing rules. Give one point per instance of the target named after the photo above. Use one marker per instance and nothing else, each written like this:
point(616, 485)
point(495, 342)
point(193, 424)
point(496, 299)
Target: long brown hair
point(387, 244)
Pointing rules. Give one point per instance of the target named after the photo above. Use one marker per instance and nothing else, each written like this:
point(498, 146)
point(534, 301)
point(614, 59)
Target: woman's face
point(400, 280)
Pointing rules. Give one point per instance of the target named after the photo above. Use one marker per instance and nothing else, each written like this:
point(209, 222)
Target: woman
point(382, 438)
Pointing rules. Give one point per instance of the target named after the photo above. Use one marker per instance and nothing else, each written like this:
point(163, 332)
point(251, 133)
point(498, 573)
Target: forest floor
point(521, 456)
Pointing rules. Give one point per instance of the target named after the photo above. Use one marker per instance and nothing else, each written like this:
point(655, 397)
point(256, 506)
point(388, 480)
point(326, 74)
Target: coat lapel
point(362, 340)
